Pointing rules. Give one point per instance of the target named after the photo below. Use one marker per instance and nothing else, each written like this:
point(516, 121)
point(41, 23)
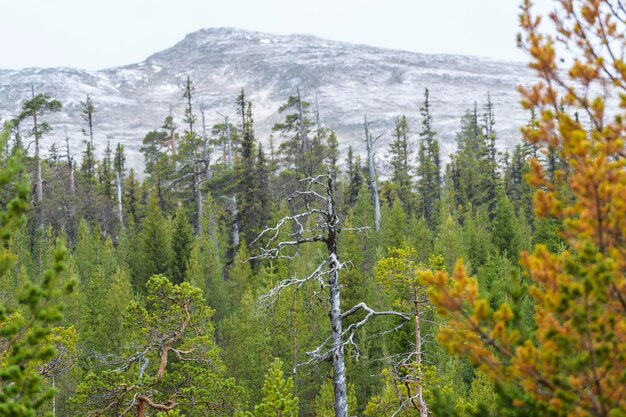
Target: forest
point(274, 277)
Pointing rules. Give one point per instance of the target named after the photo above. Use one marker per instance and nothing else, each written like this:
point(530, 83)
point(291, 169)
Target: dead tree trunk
point(301, 126)
point(372, 174)
point(38, 175)
point(206, 152)
point(421, 403)
point(233, 198)
point(70, 167)
point(339, 362)
point(322, 206)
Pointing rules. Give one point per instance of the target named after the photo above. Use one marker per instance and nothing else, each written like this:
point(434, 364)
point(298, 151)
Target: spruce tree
point(429, 167)
point(182, 241)
point(505, 233)
point(491, 178)
point(400, 153)
point(247, 175)
point(87, 109)
point(155, 241)
point(106, 174)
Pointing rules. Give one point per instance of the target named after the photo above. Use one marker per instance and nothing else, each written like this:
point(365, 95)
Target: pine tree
point(278, 399)
point(571, 362)
point(24, 333)
point(38, 106)
point(170, 335)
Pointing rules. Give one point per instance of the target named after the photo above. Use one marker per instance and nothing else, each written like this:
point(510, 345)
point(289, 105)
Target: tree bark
point(302, 127)
point(141, 408)
point(233, 199)
point(372, 174)
point(38, 175)
point(421, 404)
point(339, 366)
point(54, 398)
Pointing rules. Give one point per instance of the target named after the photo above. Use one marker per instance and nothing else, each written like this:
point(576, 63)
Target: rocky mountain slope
point(349, 81)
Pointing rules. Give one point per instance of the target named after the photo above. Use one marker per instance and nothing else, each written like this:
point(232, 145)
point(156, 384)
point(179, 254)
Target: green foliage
point(400, 153)
point(155, 242)
point(278, 399)
point(483, 213)
point(506, 234)
point(39, 105)
point(171, 323)
point(429, 167)
point(182, 240)
point(246, 337)
point(25, 337)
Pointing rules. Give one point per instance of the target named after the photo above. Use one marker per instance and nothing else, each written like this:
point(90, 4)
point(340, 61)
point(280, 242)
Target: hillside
point(349, 81)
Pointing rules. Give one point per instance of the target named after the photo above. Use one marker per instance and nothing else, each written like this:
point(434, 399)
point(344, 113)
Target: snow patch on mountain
point(348, 80)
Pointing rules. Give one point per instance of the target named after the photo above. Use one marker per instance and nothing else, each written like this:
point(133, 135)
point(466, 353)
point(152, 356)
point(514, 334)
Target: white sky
point(95, 34)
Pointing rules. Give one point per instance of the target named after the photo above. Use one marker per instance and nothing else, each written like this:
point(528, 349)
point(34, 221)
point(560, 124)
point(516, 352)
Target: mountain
point(347, 80)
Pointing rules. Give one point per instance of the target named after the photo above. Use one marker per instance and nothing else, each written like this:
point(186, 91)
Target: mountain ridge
point(348, 80)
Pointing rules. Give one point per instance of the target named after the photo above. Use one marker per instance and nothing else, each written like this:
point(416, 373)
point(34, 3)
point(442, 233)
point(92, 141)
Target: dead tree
point(319, 204)
point(369, 142)
point(233, 199)
point(206, 149)
point(70, 166)
point(301, 124)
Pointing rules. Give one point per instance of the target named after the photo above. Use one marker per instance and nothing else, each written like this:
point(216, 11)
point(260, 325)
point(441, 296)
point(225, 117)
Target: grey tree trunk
point(326, 274)
point(72, 181)
point(206, 153)
point(233, 199)
point(70, 165)
point(421, 403)
point(339, 362)
point(38, 175)
point(372, 174)
point(303, 138)
point(54, 398)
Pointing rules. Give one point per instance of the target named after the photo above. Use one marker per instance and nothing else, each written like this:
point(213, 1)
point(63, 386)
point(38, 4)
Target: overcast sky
point(96, 34)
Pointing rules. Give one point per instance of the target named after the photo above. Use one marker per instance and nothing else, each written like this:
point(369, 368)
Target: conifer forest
point(238, 275)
